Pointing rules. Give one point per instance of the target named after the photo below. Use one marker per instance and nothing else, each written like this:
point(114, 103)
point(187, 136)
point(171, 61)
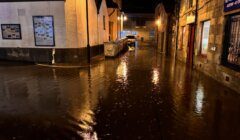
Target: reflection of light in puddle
point(155, 77)
point(199, 100)
point(89, 136)
point(86, 123)
point(122, 72)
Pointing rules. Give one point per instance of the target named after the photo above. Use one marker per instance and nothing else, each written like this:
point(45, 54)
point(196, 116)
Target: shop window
point(231, 52)
point(205, 38)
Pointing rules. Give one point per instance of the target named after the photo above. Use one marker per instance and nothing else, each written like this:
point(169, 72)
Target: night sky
point(144, 6)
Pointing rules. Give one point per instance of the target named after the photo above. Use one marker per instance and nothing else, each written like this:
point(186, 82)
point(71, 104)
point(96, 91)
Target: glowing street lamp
point(158, 22)
point(124, 18)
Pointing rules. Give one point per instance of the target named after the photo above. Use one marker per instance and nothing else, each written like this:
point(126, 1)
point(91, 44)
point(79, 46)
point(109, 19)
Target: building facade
point(166, 28)
point(54, 31)
point(114, 13)
point(209, 38)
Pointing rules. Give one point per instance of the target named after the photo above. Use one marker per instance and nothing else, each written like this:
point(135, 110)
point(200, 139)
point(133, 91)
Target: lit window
point(205, 37)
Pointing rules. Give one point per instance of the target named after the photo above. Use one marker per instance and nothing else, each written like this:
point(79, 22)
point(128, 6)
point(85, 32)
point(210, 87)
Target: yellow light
point(124, 18)
point(158, 22)
point(118, 18)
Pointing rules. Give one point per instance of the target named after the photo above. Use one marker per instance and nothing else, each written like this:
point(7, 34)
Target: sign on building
point(11, 31)
point(44, 30)
point(230, 5)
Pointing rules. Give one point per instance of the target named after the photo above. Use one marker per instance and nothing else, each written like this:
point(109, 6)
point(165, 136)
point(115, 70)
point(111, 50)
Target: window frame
point(227, 36)
point(201, 38)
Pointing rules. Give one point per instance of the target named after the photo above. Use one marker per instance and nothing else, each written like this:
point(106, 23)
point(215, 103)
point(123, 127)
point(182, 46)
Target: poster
point(11, 31)
point(44, 30)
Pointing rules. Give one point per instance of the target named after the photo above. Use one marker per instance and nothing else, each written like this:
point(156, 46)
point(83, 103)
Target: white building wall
point(103, 34)
point(9, 15)
point(93, 24)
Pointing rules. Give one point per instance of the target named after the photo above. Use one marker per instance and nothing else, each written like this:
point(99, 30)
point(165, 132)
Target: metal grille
point(234, 44)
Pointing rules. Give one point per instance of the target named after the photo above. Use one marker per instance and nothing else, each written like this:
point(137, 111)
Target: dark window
point(104, 22)
point(231, 52)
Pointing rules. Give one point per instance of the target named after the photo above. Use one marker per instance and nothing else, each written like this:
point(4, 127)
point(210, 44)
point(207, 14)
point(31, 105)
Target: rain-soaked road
point(139, 96)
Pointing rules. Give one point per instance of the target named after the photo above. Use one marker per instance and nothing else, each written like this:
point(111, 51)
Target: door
point(190, 49)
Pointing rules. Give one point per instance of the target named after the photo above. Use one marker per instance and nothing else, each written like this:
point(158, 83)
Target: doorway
point(190, 48)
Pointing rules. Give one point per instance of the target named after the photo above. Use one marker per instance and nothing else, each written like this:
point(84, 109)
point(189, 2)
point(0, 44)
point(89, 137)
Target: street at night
point(125, 98)
point(119, 70)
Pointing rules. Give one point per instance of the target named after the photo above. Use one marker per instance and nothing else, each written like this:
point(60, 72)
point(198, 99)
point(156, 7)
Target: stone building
point(46, 31)
point(209, 38)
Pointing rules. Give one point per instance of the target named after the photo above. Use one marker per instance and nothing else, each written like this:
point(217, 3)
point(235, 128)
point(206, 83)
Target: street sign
point(230, 5)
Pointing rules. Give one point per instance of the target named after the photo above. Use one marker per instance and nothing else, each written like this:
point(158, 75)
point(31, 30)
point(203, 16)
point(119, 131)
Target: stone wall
point(210, 64)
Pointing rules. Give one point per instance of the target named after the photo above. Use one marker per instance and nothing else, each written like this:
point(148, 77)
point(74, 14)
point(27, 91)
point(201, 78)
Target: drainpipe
point(88, 40)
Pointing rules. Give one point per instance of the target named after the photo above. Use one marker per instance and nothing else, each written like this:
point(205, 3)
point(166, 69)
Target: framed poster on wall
point(11, 31)
point(44, 30)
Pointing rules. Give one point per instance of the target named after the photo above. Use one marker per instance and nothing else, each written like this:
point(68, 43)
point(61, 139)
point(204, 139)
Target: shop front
point(231, 52)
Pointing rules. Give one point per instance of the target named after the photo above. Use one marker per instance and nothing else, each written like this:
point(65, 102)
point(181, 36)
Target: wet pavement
point(138, 96)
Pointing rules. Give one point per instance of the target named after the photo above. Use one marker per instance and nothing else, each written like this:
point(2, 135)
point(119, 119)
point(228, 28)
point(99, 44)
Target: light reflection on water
point(155, 76)
point(63, 103)
point(199, 100)
point(122, 73)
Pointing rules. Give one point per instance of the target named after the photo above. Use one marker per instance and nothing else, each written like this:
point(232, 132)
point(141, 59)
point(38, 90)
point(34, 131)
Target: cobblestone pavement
point(138, 96)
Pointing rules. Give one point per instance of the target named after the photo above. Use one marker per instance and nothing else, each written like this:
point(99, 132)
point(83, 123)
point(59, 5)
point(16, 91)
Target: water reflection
point(43, 103)
point(122, 72)
point(199, 99)
point(155, 76)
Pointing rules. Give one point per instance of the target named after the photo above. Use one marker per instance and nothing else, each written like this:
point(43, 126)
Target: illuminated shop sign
point(230, 5)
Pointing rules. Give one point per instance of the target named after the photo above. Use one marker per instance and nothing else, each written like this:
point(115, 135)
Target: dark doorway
point(190, 49)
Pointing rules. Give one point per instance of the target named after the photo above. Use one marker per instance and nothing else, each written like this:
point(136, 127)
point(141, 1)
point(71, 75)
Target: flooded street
point(138, 96)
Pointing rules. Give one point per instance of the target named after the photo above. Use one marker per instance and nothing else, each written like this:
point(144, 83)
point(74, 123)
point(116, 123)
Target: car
point(131, 40)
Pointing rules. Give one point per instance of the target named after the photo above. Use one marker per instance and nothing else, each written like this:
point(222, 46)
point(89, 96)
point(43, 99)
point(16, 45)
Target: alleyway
point(140, 95)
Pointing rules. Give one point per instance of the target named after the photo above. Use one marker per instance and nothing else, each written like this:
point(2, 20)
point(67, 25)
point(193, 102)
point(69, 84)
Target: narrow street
point(140, 95)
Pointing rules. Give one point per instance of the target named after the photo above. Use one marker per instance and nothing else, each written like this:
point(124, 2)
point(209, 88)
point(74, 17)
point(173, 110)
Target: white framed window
point(205, 37)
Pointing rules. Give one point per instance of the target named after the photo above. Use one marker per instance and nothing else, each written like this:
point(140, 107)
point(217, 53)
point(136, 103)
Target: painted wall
point(113, 17)
point(9, 15)
point(103, 33)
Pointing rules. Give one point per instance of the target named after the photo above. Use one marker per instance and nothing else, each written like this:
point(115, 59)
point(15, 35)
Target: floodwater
point(138, 96)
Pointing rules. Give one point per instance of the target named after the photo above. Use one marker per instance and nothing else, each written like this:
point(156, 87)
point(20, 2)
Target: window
point(231, 52)
point(104, 23)
point(205, 38)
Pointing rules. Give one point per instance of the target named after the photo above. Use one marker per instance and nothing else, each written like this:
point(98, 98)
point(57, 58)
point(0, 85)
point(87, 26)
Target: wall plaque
point(44, 30)
point(11, 31)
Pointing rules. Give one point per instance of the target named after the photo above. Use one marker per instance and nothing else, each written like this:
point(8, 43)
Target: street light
point(122, 18)
point(158, 23)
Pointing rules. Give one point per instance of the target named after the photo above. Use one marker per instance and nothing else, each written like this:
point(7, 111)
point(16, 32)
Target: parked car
point(131, 40)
